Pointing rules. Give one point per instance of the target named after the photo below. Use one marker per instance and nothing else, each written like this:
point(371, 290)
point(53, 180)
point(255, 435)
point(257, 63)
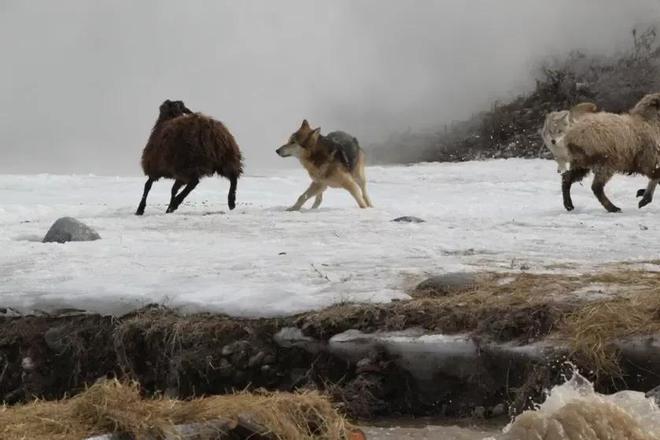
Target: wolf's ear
point(305, 124)
point(314, 137)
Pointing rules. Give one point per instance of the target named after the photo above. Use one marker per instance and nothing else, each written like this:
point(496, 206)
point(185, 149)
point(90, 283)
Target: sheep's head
point(648, 108)
point(172, 109)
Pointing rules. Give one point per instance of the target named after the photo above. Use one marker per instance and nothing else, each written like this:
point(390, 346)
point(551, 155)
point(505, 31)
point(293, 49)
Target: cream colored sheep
point(608, 143)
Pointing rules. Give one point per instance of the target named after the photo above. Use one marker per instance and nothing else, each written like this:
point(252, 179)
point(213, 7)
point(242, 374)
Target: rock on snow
point(69, 229)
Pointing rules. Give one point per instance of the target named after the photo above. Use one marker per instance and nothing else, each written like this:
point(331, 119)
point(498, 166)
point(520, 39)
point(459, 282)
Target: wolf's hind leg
point(313, 190)
point(362, 183)
point(349, 185)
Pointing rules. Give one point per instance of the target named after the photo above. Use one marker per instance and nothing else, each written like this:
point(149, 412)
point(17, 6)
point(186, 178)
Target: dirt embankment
point(485, 349)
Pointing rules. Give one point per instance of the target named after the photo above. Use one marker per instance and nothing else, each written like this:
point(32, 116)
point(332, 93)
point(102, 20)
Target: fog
point(81, 81)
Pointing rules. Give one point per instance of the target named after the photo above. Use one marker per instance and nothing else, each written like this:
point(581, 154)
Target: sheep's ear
point(305, 124)
point(584, 107)
point(655, 102)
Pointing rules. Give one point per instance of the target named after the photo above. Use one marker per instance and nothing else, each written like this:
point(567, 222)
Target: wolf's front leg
point(319, 197)
point(562, 166)
point(313, 190)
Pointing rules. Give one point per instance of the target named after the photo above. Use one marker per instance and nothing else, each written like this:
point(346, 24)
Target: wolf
point(335, 160)
point(555, 127)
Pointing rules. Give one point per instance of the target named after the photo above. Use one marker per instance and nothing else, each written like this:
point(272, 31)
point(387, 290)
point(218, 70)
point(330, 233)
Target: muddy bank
point(485, 350)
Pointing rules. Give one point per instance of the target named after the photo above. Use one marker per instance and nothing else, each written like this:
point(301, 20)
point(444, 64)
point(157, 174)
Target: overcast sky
point(81, 80)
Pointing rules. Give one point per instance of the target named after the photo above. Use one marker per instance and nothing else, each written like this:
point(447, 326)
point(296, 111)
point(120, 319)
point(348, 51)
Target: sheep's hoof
point(232, 204)
point(170, 210)
point(293, 208)
point(613, 209)
point(640, 193)
point(569, 206)
point(138, 212)
point(645, 201)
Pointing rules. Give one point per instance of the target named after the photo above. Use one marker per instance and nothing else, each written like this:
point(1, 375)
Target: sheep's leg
point(647, 194)
point(175, 189)
point(143, 202)
point(601, 177)
point(231, 197)
point(182, 195)
point(568, 178)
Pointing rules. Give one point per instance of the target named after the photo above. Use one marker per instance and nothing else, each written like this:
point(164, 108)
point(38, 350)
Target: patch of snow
point(260, 260)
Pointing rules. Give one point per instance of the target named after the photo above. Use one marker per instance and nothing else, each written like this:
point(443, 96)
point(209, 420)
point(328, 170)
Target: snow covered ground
point(259, 260)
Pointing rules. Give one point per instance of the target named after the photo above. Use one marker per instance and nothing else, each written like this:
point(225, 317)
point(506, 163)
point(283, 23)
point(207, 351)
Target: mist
point(81, 81)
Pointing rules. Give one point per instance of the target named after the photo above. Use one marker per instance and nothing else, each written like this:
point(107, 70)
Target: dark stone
point(256, 360)
point(235, 347)
point(408, 219)
point(447, 284)
point(498, 410)
point(224, 368)
point(69, 229)
point(56, 339)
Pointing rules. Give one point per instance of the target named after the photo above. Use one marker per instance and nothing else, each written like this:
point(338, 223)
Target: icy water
point(571, 411)
point(428, 430)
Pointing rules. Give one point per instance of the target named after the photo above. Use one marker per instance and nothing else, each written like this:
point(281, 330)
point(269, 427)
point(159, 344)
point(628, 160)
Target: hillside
point(511, 129)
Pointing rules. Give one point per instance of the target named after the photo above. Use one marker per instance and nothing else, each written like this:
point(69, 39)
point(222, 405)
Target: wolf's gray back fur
point(347, 148)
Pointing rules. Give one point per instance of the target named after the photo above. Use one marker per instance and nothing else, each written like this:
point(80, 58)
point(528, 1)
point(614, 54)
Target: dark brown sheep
point(187, 146)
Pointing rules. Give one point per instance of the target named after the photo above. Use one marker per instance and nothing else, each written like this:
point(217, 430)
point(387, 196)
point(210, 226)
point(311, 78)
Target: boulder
point(446, 284)
point(69, 229)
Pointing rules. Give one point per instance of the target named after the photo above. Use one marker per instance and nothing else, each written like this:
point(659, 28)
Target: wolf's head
point(304, 139)
point(557, 123)
point(555, 127)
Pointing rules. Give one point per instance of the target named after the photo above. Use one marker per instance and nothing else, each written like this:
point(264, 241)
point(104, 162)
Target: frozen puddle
point(428, 432)
point(259, 260)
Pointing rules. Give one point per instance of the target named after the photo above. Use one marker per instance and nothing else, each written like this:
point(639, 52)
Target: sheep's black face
point(172, 109)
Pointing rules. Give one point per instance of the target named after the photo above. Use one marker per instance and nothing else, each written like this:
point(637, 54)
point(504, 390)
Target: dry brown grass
point(593, 328)
point(112, 406)
point(629, 305)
